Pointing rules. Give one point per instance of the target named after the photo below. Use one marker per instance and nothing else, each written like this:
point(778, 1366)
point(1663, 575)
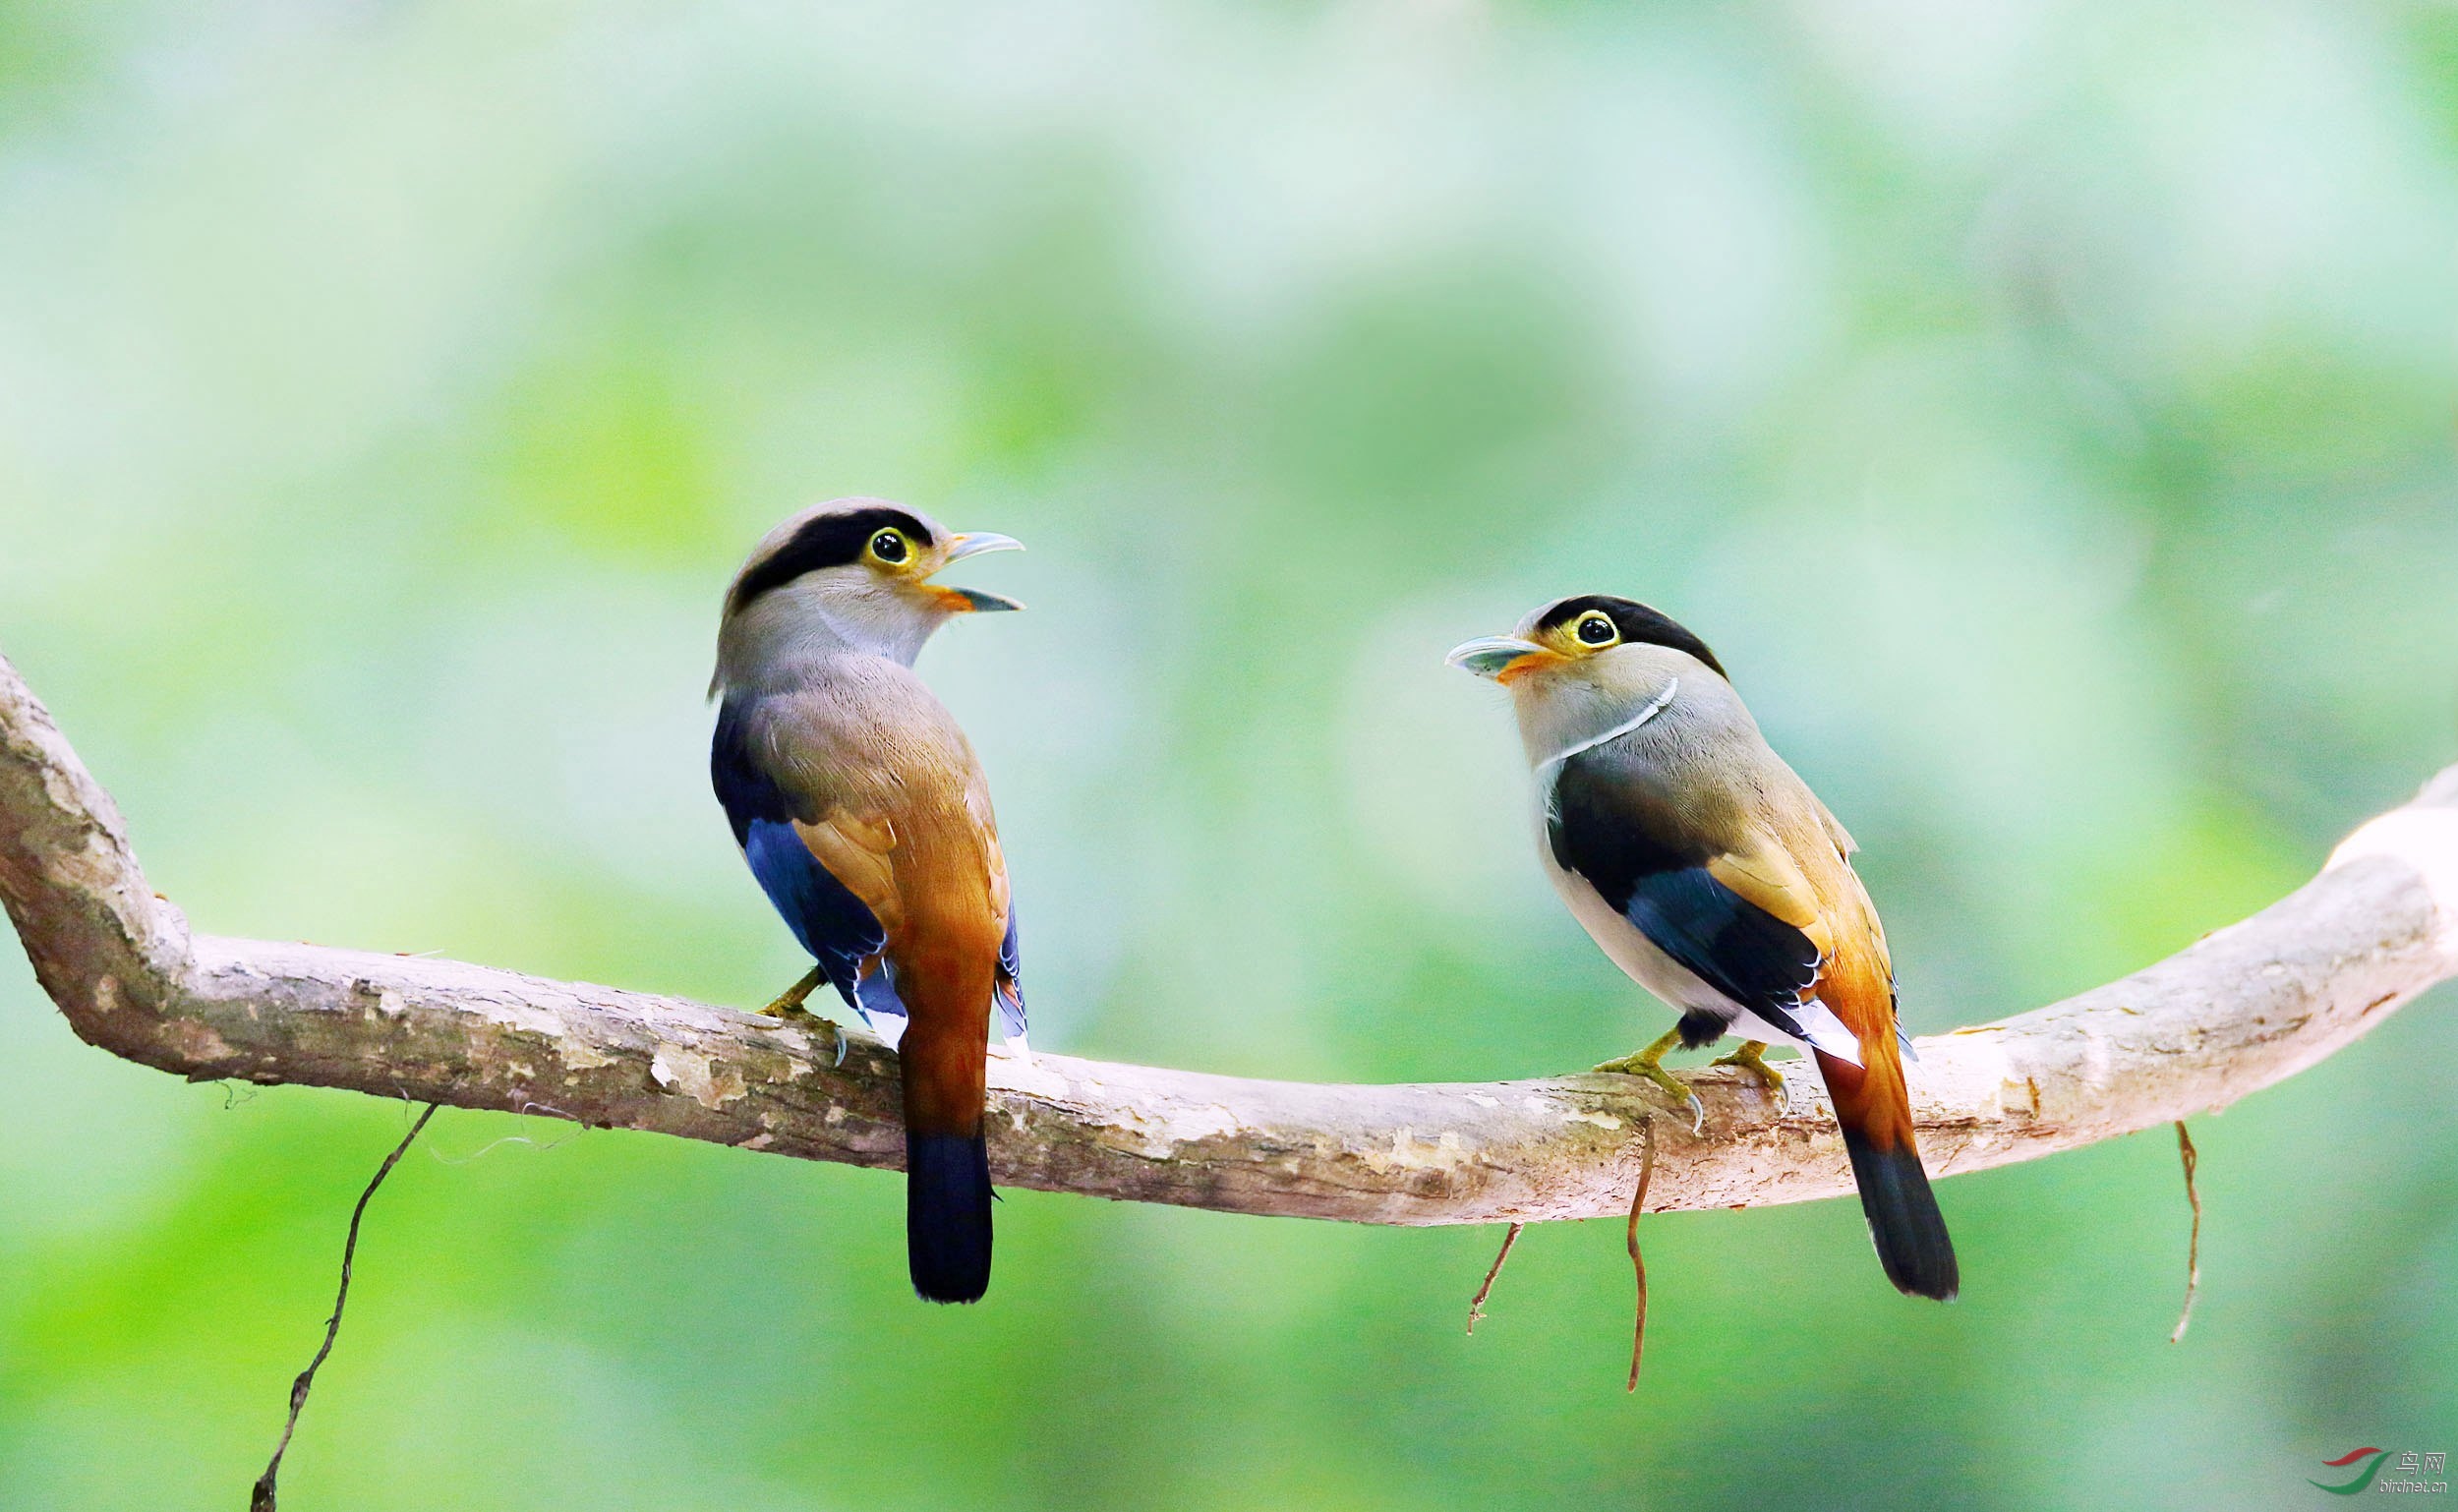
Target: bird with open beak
point(1712, 875)
point(862, 811)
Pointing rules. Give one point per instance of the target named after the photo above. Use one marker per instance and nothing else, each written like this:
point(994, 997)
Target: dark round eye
point(1597, 630)
point(889, 546)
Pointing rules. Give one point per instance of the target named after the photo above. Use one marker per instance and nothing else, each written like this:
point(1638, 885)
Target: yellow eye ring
point(1597, 630)
point(890, 549)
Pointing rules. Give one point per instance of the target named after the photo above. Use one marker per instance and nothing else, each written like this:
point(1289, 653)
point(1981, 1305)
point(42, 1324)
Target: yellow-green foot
point(788, 1003)
point(789, 1008)
point(1649, 1063)
point(1753, 1054)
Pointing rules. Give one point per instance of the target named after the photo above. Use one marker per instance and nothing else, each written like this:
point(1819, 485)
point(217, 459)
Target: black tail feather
point(947, 1216)
point(1903, 1221)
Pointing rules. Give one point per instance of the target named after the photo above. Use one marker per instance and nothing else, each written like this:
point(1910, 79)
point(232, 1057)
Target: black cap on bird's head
point(1570, 630)
point(892, 544)
point(851, 573)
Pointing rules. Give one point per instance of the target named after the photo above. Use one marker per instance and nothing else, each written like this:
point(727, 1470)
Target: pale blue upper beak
point(981, 543)
point(1490, 655)
point(978, 544)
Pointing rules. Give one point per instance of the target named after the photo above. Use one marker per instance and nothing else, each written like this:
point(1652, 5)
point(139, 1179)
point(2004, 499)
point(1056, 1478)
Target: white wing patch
point(1825, 1033)
point(875, 999)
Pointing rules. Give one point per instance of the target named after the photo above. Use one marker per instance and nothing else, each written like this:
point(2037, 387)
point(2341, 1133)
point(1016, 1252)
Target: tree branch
point(2247, 1006)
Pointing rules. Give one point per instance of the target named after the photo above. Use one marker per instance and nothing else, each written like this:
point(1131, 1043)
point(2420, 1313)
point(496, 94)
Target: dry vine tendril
point(1476, 1303)
point(1638, 1204)
point(2193, 1248)
point(1638, 1267)
point(263, 1497)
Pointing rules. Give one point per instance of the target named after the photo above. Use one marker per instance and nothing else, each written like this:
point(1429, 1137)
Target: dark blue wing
point(830, 921)
point(1011, 990)
point(1728, 941)
point(1609, 823)
point(833, 924)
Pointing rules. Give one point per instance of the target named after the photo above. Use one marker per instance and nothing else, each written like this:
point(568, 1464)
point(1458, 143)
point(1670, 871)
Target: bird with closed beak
point(863, 813)
point(1710, 873)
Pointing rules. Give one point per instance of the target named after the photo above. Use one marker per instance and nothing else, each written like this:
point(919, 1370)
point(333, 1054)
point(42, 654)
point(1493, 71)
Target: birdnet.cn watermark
point(2397, 1471)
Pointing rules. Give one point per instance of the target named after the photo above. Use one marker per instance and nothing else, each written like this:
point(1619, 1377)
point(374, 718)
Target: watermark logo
point(2409, 1471)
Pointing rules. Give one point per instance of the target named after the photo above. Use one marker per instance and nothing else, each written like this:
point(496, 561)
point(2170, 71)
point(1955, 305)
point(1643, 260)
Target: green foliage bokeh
point(2045, 409)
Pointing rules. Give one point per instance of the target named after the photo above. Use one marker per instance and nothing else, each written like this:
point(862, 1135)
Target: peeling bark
point(2249, 1006)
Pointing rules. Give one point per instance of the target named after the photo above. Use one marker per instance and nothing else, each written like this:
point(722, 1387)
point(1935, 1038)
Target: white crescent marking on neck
point(1618, 732)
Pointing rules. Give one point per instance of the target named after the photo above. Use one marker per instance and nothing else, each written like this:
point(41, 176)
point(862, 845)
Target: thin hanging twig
point(1638, 1204)
point(262, 1498)
point(1476, 1303)
point(2194, 1249)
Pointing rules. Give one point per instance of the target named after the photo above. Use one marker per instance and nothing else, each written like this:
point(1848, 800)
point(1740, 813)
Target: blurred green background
point(2044, 407)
